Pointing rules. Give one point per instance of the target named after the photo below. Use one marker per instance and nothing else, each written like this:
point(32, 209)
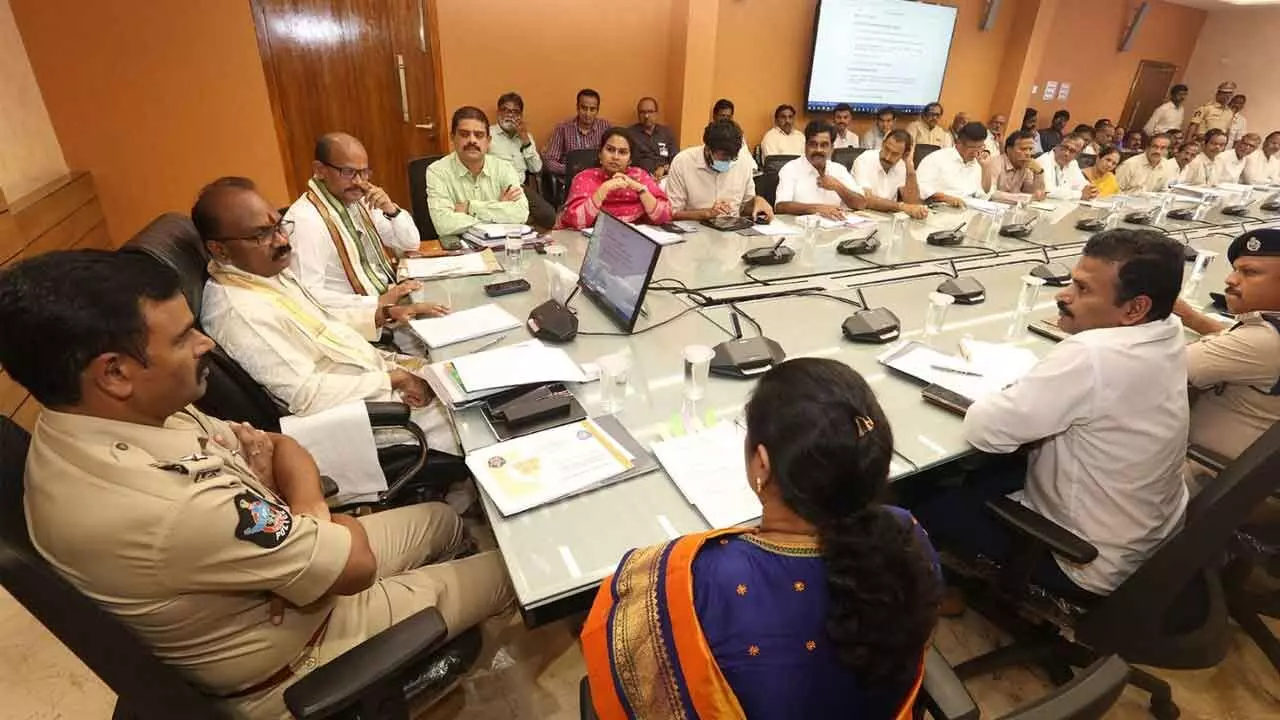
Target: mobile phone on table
point(674, 228)
point(506, 288)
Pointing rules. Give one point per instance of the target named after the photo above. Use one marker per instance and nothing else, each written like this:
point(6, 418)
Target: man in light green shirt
point(468, 186)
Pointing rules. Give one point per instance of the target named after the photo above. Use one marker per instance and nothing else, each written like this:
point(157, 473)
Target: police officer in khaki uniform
point(1214, 114)
point(1236, 372)
point(211, 540)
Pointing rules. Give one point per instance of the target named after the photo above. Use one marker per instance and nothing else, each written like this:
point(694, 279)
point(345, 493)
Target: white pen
point(492, 342)
point(957, 371)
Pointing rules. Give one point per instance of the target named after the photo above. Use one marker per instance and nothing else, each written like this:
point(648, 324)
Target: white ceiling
point(1219, 4)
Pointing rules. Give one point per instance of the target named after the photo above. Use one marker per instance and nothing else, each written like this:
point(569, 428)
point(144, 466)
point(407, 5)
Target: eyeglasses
point(509, 111)
point(348, 173)
point(262, 236)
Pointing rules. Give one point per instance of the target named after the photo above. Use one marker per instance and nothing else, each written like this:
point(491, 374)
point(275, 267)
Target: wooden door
point(1149, 90)
point(365, 67)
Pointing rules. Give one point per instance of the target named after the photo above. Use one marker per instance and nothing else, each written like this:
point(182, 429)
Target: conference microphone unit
point(776, 255)
point(554, 321)
point(745, 357)
point(947, 238)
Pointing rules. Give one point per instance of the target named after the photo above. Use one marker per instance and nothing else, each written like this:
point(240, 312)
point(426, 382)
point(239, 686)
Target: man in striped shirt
point(581, 132)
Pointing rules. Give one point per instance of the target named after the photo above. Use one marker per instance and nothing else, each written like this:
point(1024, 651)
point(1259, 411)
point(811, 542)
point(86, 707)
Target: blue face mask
point(721, 166)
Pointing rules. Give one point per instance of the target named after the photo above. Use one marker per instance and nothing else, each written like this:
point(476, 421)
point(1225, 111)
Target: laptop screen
point(617, 268)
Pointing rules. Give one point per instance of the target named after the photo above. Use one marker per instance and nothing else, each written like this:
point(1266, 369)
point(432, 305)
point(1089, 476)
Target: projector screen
point(877, 53)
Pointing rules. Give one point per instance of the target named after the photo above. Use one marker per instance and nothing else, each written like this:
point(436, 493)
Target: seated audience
point(1085, 132)
point(1187, 152)
point(210, 540)
point(874, 137)
point(584, 131)
point(310, 358)
point(1105, 416)
point(1051, 136)
point(1030, 117)
point(995, 134)
point(511, 140)
point(1169, 115)
point(926, 130)
point(1062, 177)
point(823, 611)
point(841, 119)
point(952, 174)
point(654, 144)
point(890, 174)
point(1203, 169)
point(343, 228)
point(1175, 138)
point(1134, 141)
point(1152, 171)
point(812, 184)
point(1102, 174)
point(1235, 372)
point(723, 110)
point(1239, 125)
point(1014, 172)
point(783, 138)
point(960, 120)
point(712, 180)
point(1228, 166)
point(1104, 132)
point(470, 186)
point(1214, 114)
point(1263, 166)
point(617, 187)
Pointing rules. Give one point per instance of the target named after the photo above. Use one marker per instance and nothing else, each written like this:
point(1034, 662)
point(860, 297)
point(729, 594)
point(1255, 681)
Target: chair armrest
point(1032, 524)
point(1208, 458)
point(342, 682)
point(387, 414)
point(942, 693)
point(1090, 694)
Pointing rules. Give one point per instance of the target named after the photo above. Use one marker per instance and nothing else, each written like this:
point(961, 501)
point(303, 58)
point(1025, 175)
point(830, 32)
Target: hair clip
point(864, 424)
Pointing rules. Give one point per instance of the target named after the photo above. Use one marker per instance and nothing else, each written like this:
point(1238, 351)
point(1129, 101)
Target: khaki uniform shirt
point(1212, 115)
point(1239, 374)
point(172, 533)
point(922, 135)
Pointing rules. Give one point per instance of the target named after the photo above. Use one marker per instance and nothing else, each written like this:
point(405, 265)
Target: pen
point(957, 371)
point(492, 342)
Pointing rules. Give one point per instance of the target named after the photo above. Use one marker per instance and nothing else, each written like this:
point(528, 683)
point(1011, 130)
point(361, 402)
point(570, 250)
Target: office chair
point(922, 151)
point(846, 155)
point(1088, 696)
point(1171, 612)
point(418, 196)
point(1086, 161)
point(767, 187)
point(367, 681)
point(774, 163)
point(575, 161)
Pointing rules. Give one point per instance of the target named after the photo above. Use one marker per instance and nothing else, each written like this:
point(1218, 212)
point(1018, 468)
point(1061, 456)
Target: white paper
point(777, 229)
point(991, 367)
point(341, 441)
point(526, 472)
point(658, 235)
point(463, 325)
point(708, 468)
point(982, 205)
point(499, 230)
point(451, 266)
point(516, 365)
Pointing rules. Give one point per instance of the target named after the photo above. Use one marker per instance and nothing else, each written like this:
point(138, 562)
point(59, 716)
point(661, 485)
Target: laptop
point(617, 268)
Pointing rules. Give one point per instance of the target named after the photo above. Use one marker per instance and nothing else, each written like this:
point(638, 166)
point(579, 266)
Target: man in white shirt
point(345, 230)
point(1229, 165)
point(951, 174)
point(1105, 414)
point(309, 357)
point(1063, 179)
point(1239, 125)
point(723, 110)
point(813, 185)
point(711, 179)
point(1169, 115)
point(1150, 172)
point(783, 138)
point(1203, 169)
point(873, 138)
point(890, 174)
point(926, 130)
point(1183, 155)
point(1263, 166)
point(995, 134)
point(842, 118)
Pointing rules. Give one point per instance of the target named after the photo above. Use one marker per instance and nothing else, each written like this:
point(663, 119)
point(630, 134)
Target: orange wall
point(31, 155)
point(154, 98)
point(1083, 51)
point(547, 50)
point(1239, 44)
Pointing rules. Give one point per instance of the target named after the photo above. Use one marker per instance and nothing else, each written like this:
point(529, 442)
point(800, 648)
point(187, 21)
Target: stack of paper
point(480, 263)
point(982, 205)
point(708, 468)
point(660, 236)
point(494, 235)
point(463, 325)
point(523, 364)
point(990, 369)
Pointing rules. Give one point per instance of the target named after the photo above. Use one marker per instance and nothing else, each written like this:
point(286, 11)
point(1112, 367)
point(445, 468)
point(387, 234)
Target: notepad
point(478, 263)
point(463, 325)
point(523, 364)
point(990, 369)
point(708, 468)
point(777, 229)
point(658, 235)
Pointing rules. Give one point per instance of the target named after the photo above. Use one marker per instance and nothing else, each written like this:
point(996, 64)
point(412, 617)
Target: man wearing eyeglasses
point(1063, 179)
point(346, 231)
point(927, 131)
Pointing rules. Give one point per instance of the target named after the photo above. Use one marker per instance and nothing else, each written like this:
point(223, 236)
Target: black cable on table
point(682, 313)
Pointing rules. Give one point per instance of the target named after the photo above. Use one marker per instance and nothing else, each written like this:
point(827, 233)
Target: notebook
point(463, 325)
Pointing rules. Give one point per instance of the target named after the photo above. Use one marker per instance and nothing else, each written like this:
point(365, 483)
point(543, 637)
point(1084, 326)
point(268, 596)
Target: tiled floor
point(535, 676)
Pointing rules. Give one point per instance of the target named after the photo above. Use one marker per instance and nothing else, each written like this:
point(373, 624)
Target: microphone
point(776, 255)
point(737, 326)
point(777, 248)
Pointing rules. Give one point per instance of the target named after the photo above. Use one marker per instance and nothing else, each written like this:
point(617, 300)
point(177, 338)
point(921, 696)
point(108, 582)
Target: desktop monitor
point(617, 268)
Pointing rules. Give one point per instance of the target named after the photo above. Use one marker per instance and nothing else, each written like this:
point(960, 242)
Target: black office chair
point(371, 677)
point(418, 196)
point(1086, 697)
point(1086, 161)
point(846, 155)
point(575, 161)
point(767, 186)
point(922, 151)
point(774, 163)
point(1171, 612)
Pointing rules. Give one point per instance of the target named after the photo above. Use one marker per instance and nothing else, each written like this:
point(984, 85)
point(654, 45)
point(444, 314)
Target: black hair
point(934, 105)
point(1106, 150)
point(887, 111)
point(1014, 137)
point(1184, 145)
point(1177, 89)
point(1103, 123)
point(617, 131)
point(1212, 133)
point(1064, 114)
point(723, 136)
point(62, 309)
point(829, 446)
point(1082, 128)
point(468, 112)
point(817, 127)
point(1239, 96)
point(1270, 135)
point(842, 107)
point(1151, 264)
point(204, 213)
point(587, 92)
point(1073, 135)
point(650, 98)
point(722, 104)
point(973, 132)
point(511, 97)
point(1149, 141)
point(901, 136)
point(1028, 114)
point(778, 110)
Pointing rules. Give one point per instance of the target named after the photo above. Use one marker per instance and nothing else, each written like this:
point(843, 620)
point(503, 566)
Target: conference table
point(558, 553)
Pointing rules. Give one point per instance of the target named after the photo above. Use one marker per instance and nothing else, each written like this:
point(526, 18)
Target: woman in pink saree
point(617, 187)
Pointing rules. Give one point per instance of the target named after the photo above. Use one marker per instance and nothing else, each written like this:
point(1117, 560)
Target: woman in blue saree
point(823, 611)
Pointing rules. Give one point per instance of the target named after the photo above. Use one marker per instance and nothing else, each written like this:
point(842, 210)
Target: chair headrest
point(173, 240)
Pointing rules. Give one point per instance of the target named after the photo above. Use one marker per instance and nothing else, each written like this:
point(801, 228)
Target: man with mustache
point(1229, 165)
point(814, 185)
point(782, 138)
point(952, 174)
point(468, 186)
point(1104, 414)
point(511, 140)
point(210, 540)
point(1263, 167)
point(1150, 172)
point(1235, 372)
point(311, 357)
point(346, 230)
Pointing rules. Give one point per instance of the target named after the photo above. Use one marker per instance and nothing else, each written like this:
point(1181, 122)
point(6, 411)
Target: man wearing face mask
point(712, 180)
point(511, 140)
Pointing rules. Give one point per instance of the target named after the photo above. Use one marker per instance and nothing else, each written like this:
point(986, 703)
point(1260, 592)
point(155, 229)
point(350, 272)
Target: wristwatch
point(390, 216)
